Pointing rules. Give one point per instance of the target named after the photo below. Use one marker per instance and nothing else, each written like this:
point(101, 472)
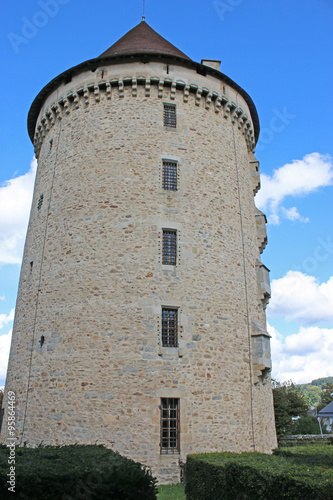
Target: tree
point(289, 403)
point(307, 425)
point(326, 396)
point(1, 398)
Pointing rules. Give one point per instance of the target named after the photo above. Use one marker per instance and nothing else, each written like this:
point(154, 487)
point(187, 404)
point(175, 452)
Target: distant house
point(326, 414)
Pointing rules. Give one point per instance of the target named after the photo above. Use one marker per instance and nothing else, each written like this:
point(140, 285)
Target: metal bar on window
point(169, 327)
point(170, 175)
point(169, 250)
point(169, 115)
point(169, 426)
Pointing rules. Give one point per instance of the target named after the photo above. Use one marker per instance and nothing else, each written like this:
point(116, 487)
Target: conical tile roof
point(143, 40)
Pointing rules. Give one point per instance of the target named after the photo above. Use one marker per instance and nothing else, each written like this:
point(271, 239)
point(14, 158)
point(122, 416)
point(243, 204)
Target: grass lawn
point(172, 492)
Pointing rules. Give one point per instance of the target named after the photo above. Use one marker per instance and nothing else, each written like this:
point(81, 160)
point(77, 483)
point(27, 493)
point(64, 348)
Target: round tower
point(140, 318)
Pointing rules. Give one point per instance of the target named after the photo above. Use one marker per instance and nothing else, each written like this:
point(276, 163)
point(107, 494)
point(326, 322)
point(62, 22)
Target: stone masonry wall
point(96, 284)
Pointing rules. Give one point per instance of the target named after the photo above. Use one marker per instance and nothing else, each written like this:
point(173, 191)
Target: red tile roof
point(143, 40)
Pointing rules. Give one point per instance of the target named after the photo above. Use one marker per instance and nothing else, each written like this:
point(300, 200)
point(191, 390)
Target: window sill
point(171, 351)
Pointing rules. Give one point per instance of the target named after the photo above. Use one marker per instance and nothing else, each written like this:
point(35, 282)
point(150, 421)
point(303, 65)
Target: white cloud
point(5, 341)
point(303, 356)
point(2, 297)
point(5, 319)
point(293, 214)
point(299, 297)
point(293, 179)
point(15, 203)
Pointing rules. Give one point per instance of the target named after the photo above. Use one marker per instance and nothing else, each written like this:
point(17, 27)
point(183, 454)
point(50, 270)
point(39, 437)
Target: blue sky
point(280, 52)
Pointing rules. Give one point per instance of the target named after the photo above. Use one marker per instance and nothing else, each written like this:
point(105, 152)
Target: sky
point(280, 52)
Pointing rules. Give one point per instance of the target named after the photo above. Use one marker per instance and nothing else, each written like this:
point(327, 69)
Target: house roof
point(142, 39)
point(327, 411)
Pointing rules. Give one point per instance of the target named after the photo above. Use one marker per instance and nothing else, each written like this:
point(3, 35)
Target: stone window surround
point(169, 115)
point(170, 328)
point(169, 177)
point(170, 351)
point(167, 404)
point(169, 247)
point(166, 192)
point(169, 226)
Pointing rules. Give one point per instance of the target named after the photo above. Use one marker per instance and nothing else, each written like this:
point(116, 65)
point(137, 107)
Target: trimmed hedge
point(231, 476)
point(75, 472)
point(320, 454)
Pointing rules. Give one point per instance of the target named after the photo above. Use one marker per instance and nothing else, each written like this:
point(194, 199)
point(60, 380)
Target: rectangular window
point(170, 115)
point(169, 426)
point(169, 251)
point(169, 327)
point(170, 175)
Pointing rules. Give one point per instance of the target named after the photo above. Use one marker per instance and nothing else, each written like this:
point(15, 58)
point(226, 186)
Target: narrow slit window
point(40, 202)
point(170, 115)
point(169, 427)
point(170, 175)
point(169, 251)
point(169, 327)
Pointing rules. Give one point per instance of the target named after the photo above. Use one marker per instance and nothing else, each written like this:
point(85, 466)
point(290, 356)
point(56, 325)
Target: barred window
point(170, 428)
point(170, 115)
point(40, 202)
point(169, 251)
point(170, 175)
point(169, 327)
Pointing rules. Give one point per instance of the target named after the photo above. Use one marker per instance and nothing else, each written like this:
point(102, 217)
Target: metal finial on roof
point(143, 11)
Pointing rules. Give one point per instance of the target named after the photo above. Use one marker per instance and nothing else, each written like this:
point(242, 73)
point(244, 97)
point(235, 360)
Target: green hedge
point(231, 476)
point(75, 472)
point(320, 454)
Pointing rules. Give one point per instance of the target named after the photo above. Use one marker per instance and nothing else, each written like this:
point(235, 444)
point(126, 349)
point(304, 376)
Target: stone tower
point(140, 318)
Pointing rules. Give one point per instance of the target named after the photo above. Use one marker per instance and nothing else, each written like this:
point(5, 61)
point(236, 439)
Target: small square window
point(170, 175)
point(169, 327)
point(169, 427)
point(170, 115)
point(169, 251)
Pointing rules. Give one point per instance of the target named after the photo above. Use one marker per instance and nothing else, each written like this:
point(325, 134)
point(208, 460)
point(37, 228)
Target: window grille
point(40, 202)
point(169, 251)
point(170, 428)
point(169, 327)
point(170, 175)
point(170, 115)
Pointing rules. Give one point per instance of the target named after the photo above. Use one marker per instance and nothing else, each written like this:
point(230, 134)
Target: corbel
point(198, 97)
point(147, 87)
point(218, 104)
point(108, 90)
point(65, 103)
point(208, 99)
point(186, 92)
point(160, 88)
point(134, 87)
point(173, 90)
point(96, 93)
point(86, 96)
point(121, 88)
